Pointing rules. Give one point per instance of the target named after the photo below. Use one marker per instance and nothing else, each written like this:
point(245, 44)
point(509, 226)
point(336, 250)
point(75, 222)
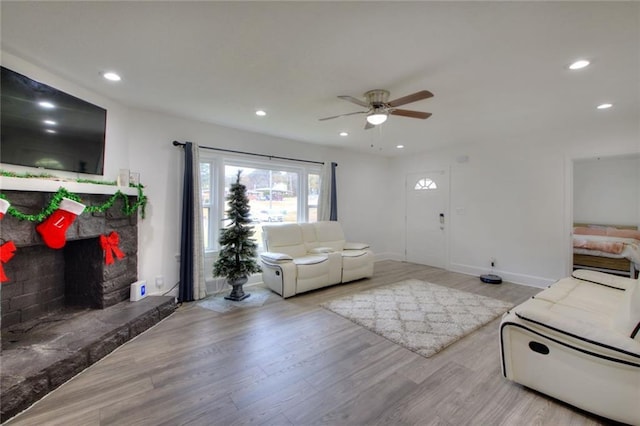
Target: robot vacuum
point(490, 279)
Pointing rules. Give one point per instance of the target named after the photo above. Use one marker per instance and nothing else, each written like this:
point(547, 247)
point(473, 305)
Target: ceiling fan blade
point(342, 115)
point(368, 126)
point(423, 94)
point(409, 113)
point(354, 100)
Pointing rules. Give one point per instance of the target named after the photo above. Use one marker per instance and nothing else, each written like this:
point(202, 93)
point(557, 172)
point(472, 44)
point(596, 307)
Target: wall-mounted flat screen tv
point(47, 128)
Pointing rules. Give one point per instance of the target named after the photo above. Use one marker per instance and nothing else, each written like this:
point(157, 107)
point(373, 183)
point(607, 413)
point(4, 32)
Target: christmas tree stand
point(237, 293)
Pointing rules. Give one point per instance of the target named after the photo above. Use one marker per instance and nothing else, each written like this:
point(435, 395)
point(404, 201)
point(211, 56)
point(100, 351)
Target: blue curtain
point(186, 289)
point(333, 215)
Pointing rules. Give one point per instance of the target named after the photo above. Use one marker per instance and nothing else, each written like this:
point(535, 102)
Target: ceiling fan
point(379, 108)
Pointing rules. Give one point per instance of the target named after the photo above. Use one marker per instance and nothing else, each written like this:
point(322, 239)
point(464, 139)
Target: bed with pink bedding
point(613, 249)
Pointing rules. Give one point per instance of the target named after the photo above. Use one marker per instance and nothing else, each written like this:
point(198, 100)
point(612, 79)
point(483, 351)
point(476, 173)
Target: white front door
point(427, 218)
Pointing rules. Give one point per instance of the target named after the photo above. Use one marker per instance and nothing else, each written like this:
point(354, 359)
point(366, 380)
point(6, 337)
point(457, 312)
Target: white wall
point(116, 151)
point(606, 190)
point(160, 165)
point(505, 202)
point(516, 194)
point(516, 199)
point(141, 141)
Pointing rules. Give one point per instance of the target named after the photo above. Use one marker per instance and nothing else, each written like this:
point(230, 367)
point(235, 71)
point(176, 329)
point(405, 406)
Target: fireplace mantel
point(9, 183)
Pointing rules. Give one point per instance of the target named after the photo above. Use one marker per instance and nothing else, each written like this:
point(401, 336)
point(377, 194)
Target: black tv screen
point(47, 128)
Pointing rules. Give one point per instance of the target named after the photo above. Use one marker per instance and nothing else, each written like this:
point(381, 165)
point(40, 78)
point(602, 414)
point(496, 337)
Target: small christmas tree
point(237, 258)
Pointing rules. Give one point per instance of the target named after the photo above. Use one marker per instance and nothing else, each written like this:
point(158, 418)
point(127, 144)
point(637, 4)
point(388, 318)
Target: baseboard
point(389, 256)
point(523, 279)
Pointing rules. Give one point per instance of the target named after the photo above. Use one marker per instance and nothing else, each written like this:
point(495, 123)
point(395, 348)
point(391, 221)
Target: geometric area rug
point(420, 316)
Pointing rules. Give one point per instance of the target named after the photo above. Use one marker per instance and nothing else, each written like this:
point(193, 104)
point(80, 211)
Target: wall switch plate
point(138, 291)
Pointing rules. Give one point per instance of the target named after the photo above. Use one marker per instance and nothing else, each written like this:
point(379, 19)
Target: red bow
point(7, 251)
point(110, 246)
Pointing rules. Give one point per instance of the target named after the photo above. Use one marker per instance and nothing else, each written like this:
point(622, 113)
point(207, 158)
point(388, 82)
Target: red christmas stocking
point(4, 206)
point(7, 251)
point(54, 227)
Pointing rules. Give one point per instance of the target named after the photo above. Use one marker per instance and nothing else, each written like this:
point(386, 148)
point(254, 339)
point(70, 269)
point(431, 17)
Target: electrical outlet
point(159, 281)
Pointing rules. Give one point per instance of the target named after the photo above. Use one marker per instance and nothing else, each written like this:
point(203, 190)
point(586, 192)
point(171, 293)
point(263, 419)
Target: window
point(277, 192)
point(425, 183)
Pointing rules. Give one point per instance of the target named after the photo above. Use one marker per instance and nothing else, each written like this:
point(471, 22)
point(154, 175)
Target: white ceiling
point(497, 69)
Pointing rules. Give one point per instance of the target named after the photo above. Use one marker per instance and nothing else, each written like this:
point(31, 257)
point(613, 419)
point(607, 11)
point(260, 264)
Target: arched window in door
point(425, 184)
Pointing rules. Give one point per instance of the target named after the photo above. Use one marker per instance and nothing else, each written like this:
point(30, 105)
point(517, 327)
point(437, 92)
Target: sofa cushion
point(574, 299)
point(602, 278)
point(321, 250)
point(285, 238)
point(330, 234)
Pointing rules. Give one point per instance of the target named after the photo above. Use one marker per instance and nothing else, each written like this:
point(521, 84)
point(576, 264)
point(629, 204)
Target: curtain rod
point(176, 143)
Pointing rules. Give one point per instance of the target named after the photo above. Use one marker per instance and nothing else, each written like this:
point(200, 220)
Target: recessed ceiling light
point(50, 131)
point(260, 113)
point(50, 122)
point(111, 76)
point(46, 104)
point(577, 65)
point(604, 106)
point(344, 134)
point(399, 146)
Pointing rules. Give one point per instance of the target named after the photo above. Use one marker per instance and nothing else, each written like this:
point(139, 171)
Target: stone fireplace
point(43, 280)
point(64, 309)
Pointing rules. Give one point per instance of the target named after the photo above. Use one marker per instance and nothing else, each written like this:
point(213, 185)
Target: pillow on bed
point(627, 318)
point(623, 233)
point(587, 230)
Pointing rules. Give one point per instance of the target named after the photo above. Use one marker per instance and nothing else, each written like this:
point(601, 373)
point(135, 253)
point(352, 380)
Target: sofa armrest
point(608, 280)
point(355, 246)
point(274, 257)
point(320, 250)
point(597, 337)
point(280, 276)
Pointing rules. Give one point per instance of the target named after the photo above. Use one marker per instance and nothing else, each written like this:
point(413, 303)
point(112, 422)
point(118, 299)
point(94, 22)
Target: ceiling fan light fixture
point(578, 65)
point(377, 117)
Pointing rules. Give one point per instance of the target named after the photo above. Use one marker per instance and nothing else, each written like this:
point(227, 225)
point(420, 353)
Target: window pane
point(313, 193)
point(205, 227)
point(205, 183)
point(273, 195)
point(425, 183)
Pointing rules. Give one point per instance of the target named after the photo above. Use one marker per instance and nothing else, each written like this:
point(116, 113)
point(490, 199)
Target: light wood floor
point(291, 362)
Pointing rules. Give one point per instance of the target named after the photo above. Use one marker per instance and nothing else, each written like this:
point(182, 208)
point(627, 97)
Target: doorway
point(426, 218)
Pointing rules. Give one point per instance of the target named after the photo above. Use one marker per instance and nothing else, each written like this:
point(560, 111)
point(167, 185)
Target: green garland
point(26, 175)
point(49, 176)
point(99, 182)
point(128, 209)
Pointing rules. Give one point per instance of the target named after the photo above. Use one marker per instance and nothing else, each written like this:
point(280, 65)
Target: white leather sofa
point(301, 257)
point(579, 341)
